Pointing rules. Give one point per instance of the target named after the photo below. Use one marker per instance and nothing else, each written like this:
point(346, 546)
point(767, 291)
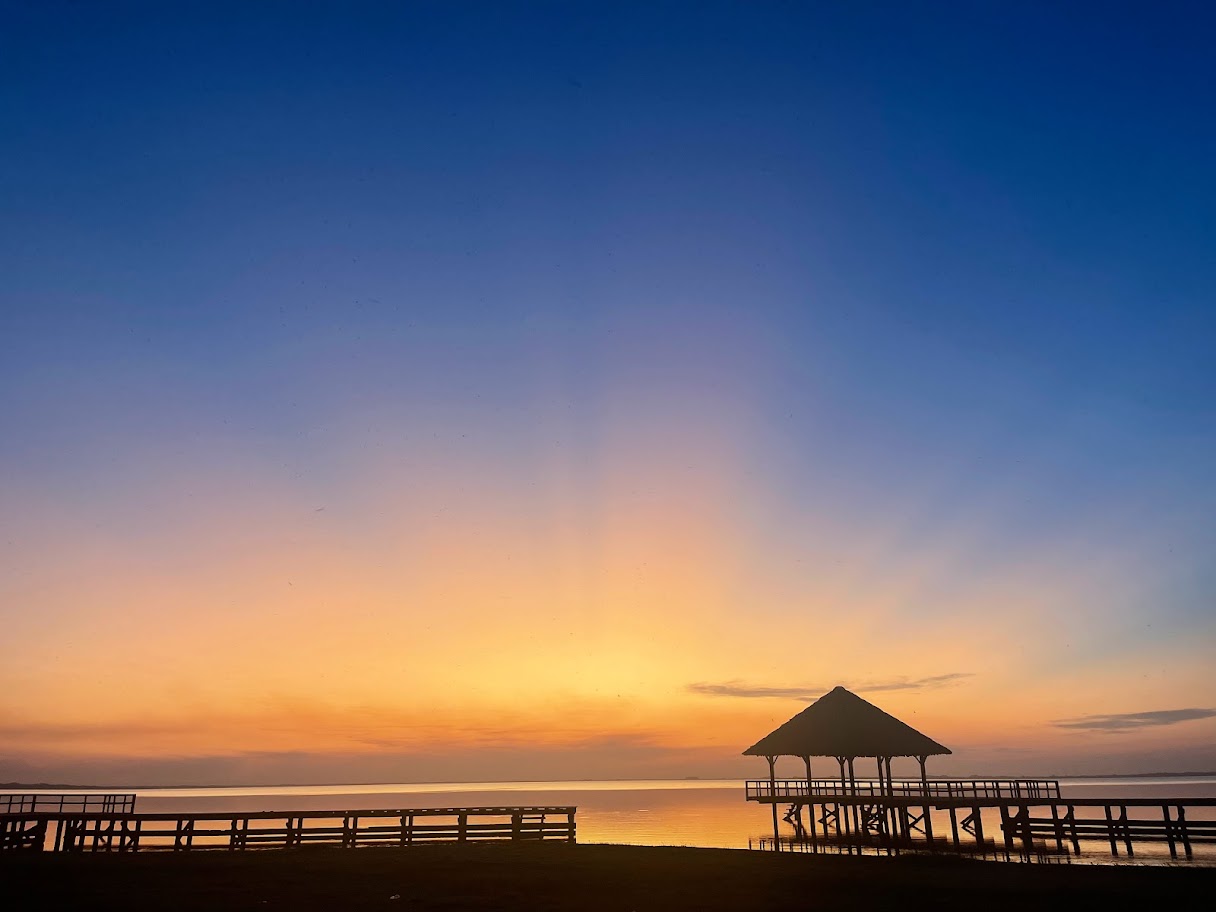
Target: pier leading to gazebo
point(884, 811)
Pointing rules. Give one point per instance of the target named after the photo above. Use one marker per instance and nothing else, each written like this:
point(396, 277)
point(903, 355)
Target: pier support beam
point(857, 820)
point(844, 790)
point(810, 799)
point(772, 784)
point(884, 789)
point(924, 788)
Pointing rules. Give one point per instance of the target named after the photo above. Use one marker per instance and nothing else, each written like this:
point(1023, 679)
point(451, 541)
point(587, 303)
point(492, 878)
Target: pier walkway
point(130, 832)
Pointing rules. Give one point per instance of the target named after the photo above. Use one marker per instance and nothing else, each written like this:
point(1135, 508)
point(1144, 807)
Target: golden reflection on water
point(663, 812)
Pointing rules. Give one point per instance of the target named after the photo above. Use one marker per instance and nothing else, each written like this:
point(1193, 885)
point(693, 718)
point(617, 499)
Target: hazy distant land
point(21, 786)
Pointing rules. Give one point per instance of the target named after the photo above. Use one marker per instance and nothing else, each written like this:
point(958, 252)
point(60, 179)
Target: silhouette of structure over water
point(891, 813)
point(1026, 818)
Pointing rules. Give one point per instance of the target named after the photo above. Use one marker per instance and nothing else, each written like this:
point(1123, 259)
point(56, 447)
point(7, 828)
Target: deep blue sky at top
point(966, 231)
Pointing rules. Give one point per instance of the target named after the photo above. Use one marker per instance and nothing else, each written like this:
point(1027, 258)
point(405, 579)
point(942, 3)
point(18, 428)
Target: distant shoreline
point(20, 786)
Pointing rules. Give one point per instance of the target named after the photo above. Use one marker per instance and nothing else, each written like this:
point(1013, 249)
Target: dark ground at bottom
point(539, 877)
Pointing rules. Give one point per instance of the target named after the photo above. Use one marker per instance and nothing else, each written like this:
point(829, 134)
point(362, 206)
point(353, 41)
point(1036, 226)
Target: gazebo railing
point(764, 790)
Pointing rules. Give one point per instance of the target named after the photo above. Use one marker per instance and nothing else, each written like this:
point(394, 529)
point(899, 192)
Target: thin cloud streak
point(1121, 722)
point(740, 689)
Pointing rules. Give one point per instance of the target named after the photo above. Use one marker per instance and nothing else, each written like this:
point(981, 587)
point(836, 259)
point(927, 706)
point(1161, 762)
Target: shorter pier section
point(110, 832)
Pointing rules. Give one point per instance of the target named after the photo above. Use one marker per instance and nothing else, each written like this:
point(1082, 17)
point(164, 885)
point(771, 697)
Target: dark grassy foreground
point(593, 877)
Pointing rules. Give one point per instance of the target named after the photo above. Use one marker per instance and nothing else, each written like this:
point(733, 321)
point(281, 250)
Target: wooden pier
point(131, 832)
point(1034, 817)
point(1114, 826)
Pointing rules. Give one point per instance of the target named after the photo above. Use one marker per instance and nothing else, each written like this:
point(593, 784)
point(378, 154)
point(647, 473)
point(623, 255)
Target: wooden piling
point(1183, 832)
point(1059, 830)
point(1127, 836)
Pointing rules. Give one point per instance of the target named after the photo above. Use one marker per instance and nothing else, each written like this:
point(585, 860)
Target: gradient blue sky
point(634, 334)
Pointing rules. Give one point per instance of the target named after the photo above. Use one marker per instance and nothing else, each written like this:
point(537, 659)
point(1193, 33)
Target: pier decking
point(130, 832)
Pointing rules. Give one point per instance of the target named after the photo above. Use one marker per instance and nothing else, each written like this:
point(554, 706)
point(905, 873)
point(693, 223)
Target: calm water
point(658, 812)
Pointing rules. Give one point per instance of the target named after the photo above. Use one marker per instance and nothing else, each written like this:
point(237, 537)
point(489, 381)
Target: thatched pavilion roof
point(842, 724)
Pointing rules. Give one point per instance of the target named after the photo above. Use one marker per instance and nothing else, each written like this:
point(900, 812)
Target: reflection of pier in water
point(1027, 817)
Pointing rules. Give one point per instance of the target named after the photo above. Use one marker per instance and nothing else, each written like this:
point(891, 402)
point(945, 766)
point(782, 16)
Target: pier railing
point(67, 803)
point(1114, 825)
point(281, 829)
point(765, 790)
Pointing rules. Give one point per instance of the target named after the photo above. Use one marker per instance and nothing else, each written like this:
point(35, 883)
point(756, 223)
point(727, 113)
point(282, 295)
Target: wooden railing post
point(1056, 828)
point(1182, 831)
point(1110, 832)
point(1006, 828)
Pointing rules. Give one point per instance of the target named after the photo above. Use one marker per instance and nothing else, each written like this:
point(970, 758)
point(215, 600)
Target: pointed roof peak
point(842, 724)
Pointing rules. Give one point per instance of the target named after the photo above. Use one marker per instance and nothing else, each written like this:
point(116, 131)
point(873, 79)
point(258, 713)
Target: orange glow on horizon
point(454, 610)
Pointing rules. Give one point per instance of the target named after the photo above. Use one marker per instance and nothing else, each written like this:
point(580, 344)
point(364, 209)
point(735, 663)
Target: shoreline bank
point(594, 877)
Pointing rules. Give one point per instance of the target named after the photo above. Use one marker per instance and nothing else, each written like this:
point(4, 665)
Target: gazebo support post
point(884, 789)
point(882, 792)
point(924, 788)
point(857, 828)
point(901, 812)
point(844, 791)
point(772, 786)
point(810, 798)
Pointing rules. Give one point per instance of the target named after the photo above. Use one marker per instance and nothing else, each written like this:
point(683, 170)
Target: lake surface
point(710, 813)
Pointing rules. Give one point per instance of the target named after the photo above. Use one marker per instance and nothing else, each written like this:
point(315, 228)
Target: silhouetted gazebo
point(843, 726)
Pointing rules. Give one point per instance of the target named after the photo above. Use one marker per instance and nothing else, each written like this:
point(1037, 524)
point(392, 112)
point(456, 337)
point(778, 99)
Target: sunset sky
point(453, 391)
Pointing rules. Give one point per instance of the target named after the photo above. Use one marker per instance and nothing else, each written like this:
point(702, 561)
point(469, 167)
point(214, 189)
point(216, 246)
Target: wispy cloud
point(809, 692)
point(1120, 722)
point(928, 683)
point(739, 689)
